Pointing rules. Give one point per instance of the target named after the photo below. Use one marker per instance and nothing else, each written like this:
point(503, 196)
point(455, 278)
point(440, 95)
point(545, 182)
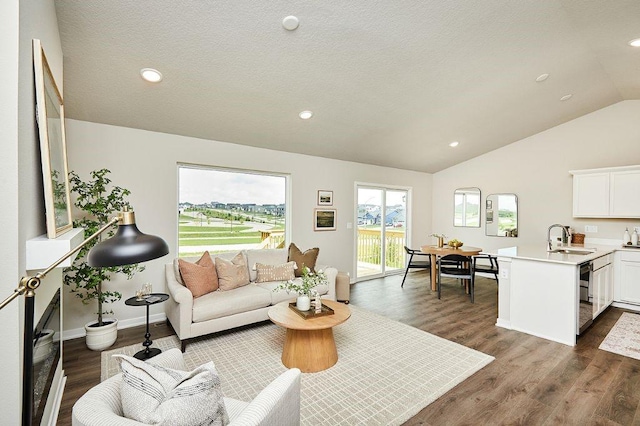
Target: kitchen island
point(539, 291)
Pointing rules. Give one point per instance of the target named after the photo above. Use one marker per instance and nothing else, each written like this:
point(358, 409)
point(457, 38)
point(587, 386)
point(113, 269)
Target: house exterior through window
point(223, 209)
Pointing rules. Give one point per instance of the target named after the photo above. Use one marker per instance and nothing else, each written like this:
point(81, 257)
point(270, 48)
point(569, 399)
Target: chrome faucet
point(565, 233)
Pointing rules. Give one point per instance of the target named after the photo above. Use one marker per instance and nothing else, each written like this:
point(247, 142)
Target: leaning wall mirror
point(466, 207)
point(53, 150)
point(501, 215)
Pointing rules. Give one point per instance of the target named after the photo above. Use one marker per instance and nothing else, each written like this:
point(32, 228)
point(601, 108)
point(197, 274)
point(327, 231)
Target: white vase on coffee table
point(303, 302)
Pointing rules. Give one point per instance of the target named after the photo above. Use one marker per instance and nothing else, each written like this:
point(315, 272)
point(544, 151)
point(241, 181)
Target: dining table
point(436, 251)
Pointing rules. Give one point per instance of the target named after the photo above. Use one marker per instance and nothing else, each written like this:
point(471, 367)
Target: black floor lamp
point(127, 247)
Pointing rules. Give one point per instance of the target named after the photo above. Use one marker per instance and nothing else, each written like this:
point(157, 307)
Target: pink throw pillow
point(200, 277)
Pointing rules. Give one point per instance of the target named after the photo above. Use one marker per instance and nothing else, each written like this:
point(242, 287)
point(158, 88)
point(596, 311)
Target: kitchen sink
point(578, 252)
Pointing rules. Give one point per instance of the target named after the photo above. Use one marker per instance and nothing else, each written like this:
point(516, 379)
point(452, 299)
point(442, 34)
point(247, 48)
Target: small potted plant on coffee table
point(304, 287)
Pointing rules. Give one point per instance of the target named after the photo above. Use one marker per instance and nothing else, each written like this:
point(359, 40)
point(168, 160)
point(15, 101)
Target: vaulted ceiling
point(389, 82)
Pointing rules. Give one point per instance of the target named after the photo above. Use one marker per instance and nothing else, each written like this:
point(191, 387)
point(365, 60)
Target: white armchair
point(276, 405)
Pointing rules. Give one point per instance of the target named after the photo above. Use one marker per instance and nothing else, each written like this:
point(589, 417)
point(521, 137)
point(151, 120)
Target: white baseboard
point(628, 306)
point(504, 324)
point(569, 342)
point(122, 324)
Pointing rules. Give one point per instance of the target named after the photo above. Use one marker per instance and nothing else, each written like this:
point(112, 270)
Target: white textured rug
point(386, 372)
point(624, 337)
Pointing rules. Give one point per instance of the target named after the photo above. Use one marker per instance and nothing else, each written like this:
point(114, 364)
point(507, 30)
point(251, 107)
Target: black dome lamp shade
point(128, 246)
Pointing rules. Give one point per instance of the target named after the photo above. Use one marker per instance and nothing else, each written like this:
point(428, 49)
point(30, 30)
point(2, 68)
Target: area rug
point(624, 337)
point(386, 372)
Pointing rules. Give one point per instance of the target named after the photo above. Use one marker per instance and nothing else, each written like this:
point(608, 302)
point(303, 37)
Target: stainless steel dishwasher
point(585, 307)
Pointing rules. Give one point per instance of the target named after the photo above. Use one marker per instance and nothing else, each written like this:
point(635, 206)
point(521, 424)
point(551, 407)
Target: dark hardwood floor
point(531, 382)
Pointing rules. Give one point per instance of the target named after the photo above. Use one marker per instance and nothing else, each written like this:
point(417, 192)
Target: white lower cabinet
point(609, 286)
point(628, 277)
point(602, 289)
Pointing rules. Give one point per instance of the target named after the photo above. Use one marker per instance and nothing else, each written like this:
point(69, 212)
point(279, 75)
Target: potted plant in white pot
point(304, 287)
point(98, 205)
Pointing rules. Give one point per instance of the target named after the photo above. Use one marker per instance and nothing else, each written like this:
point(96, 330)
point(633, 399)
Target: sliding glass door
point(381, 231)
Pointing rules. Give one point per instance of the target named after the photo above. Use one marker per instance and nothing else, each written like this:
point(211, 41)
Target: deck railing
point(271, 239)
point(369, 247)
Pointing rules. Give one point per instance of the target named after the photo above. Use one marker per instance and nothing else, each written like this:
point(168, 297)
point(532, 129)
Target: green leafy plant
point(309, 280)
point(99, 203)
point(438, 235)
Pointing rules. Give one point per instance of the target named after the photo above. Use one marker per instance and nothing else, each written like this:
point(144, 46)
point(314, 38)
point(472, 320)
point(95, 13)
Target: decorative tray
point(631, 246)
point(311, 313)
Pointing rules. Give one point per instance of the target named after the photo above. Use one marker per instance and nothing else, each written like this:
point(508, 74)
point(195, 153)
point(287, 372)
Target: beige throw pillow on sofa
point(232, 273)
point(199, 277)
point(308, 258)
point(268, 273)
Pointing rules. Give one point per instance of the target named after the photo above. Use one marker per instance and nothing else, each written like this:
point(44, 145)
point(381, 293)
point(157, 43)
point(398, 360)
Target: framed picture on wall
point(325, 198)
point(489, 216)
point(324, 220)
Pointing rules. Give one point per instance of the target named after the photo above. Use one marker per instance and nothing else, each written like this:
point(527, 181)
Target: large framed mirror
point(53, 150)
point(466, 207)
point(501, 215)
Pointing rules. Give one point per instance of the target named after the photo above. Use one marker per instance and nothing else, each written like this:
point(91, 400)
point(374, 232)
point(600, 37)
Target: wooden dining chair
point(462, 269)
point(419, 262)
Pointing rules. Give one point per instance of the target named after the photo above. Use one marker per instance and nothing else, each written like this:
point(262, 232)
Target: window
point(467, 207)
point(222, 210)
point(381, 232)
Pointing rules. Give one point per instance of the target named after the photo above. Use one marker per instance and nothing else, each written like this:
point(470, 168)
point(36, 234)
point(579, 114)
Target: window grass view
point(221, 210)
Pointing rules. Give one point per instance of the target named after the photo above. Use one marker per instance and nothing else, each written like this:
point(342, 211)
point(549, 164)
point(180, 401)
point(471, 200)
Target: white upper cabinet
point(625, 194)
point(591, 195)
point(612, 192)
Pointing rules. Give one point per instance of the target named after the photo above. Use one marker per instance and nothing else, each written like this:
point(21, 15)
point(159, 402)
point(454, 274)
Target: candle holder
point(146, 290)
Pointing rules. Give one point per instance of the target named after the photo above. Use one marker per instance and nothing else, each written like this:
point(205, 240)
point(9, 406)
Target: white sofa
point(276, 405)
point(223, 310)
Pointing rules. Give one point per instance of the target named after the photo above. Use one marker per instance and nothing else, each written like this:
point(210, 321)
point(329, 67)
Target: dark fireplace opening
point(46, 355)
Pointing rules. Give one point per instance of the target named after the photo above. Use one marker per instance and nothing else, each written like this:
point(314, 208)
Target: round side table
point(147, 352)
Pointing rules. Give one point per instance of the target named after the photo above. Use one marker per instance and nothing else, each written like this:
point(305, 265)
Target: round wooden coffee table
point(309, 343)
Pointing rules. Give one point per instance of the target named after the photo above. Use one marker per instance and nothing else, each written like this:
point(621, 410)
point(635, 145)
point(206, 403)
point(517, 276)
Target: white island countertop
point(539, 291)
point(539, 252)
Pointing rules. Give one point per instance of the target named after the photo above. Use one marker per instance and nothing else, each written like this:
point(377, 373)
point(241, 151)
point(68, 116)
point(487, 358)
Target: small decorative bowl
point(455, 244)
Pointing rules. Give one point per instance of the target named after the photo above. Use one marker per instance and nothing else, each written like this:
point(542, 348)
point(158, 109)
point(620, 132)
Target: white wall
point(20, 181)
point(10, 357)
point(146, 163)
point(536, 170)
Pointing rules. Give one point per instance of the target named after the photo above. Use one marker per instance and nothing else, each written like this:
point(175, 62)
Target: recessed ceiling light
point(454, 144)
point(290, 23)
point(305, 115)
point(566, 97)
point(151, 75)
point(635, 43)
point(542, 77)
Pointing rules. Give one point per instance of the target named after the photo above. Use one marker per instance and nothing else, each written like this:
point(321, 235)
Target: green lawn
point(218, 241)
point(191, 228)
point(184, 235)
point(208, 235)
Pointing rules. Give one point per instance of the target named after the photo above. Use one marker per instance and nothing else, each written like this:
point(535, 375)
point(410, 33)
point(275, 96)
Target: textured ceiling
point(390, 82)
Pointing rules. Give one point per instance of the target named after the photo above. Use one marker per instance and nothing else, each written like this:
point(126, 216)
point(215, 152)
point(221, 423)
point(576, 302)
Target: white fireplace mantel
point(43, 251)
